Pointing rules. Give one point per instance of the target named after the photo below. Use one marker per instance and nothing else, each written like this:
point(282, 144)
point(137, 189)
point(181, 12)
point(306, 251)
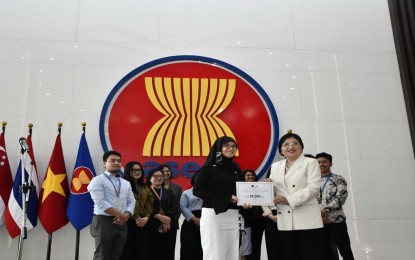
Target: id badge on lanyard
point(159, 197)
point(118, 203)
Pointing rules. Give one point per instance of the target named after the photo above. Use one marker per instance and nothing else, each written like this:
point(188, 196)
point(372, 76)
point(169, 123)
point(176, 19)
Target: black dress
point(162, 245)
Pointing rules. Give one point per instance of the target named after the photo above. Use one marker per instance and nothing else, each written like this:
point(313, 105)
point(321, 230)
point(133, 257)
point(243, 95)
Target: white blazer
point(300, 186)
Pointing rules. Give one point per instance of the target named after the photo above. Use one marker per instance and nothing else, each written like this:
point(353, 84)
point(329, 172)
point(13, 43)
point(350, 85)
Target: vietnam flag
point(54, 193)
point(6, 179)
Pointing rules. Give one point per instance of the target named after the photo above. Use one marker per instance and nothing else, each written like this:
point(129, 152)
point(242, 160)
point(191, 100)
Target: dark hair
point(161, 167)
point(151, 173)
point(127, 170)
point(108, 154)
point(193, 179)
point(325, 155)
point(252, 171)
point(289, 135)
point(309, 155)
point(268, 173)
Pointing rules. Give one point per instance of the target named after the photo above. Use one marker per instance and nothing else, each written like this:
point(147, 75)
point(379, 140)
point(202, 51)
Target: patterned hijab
point(215, 156)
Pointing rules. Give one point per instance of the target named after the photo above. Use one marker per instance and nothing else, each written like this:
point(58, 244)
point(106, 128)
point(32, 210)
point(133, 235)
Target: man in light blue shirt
point(113, 204)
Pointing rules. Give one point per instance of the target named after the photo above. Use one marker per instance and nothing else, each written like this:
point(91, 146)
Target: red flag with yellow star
point(54, 193)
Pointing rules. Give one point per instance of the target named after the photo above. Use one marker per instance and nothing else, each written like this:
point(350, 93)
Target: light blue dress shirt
point(189, 203)
point(108, 191)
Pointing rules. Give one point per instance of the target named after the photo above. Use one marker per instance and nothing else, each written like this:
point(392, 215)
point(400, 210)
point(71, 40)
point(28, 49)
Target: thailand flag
point(14, 213)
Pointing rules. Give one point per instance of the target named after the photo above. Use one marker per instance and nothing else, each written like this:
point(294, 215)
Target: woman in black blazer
point(161, 239)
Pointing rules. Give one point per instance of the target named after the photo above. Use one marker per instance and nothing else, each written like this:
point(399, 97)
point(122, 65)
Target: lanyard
point(117, 192)
point(159, 198)
point(155, 193)
point(138, 188)
point(325, 183)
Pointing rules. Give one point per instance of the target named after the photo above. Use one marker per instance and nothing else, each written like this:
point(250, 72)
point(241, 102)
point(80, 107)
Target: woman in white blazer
point(297, 182)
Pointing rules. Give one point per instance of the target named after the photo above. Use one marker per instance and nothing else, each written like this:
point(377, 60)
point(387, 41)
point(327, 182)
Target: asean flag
point(54, 192)
point(14, 213)
point(80, 205)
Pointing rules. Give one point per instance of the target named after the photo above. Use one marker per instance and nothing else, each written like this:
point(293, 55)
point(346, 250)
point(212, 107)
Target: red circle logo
point(82, 176)
point(171, 110)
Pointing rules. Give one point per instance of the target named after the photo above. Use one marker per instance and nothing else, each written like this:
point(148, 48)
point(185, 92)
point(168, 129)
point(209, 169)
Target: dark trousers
point(161, 246)
point(190, 245)
point(338, 233)
point(275, 247)
point(303, 244)
point(136, 245)
point(109, 238)
point(330, 247)
point(257, 230)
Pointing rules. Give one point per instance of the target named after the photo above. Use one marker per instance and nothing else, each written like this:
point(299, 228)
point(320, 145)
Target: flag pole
point(30, 125)
point(25, 190)
point(50, 235)
point(49, 246)
point(77, 231)
point(77, 245)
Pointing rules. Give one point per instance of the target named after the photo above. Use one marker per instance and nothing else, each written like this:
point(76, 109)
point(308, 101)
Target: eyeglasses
point(230, 146)
point(136, 170)
point(288, 144)
point(157, 176)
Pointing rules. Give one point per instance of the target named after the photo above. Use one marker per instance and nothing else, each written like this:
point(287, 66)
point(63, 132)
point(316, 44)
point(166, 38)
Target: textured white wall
point(329, 67)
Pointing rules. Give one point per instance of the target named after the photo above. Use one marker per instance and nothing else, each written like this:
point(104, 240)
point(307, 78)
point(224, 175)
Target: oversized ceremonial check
point(255, 193)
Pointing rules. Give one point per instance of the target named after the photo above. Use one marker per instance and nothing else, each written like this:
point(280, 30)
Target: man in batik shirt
point(333, 194)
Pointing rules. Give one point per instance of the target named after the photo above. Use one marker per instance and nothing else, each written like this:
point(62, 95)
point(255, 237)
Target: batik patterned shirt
point(333, 194)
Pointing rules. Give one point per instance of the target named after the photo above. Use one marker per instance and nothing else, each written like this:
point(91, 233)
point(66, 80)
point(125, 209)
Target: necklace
point(287, 167)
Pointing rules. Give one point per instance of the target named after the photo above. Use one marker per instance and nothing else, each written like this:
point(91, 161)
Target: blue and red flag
point(80, 208)
point(14, 213)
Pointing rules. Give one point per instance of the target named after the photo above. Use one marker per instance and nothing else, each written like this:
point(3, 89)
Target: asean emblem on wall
point(171, 110)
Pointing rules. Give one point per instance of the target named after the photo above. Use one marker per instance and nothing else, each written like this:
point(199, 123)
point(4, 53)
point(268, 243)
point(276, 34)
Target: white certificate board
point(255, 193)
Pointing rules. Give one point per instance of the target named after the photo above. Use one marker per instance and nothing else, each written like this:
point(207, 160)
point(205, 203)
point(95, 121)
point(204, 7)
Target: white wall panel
point(329, 68)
